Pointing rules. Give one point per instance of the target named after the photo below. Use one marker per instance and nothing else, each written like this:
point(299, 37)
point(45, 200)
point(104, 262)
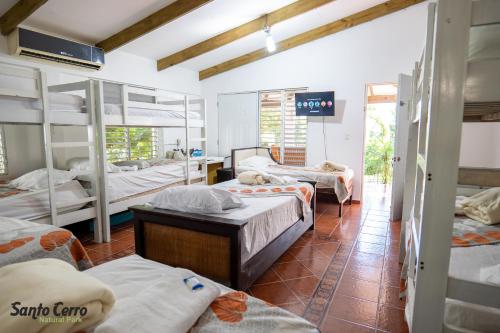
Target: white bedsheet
point(128, 183)
point(131, 278)
point(267, 218)
point(117, 109)
point(35, 205)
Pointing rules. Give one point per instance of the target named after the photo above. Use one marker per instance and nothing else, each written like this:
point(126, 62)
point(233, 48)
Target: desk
point(213, 163)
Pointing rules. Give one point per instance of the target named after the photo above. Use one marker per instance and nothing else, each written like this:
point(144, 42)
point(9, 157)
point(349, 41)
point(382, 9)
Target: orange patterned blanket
point(23, 240)
point(467, 232)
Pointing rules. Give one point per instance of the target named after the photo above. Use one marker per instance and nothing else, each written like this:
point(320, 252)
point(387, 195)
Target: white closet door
point(400, 145)
point(238, 121)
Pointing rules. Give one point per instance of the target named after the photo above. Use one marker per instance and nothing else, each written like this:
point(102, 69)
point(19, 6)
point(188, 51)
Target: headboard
point(242, 153)
point(483, 177)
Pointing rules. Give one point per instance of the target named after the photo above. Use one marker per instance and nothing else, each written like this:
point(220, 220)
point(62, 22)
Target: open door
point(400, 145)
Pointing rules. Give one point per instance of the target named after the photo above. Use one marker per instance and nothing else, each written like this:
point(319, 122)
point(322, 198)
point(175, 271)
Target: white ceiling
point(93, 20)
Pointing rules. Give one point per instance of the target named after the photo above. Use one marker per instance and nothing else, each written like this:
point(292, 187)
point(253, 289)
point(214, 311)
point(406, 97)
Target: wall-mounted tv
point(315, 103)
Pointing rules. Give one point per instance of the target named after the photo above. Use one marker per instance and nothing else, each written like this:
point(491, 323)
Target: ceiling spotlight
point(270, 44)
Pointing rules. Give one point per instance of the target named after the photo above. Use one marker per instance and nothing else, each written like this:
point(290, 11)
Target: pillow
point(201, 199)
point(38, 179)
point(83, 164)
point(139, 163)
point(256, 162)
point(251, 178)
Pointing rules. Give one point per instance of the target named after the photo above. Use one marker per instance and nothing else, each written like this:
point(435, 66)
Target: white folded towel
point(167, 305)
point(484, 206)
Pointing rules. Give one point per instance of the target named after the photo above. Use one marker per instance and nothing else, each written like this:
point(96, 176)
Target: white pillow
point(201, 199)
point(256, 162)
point(38, 179)
point(83, 164)
point(139, 163)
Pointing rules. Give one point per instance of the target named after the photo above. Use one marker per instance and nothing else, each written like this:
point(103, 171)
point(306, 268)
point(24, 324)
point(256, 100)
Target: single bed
point(232, 311)
point(35, 205)
point(24, 240)
point(234, 248)
point(340, 184)
point(140, 290)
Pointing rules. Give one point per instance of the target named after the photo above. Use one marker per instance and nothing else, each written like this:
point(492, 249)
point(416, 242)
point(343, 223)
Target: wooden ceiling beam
point(345, 23)
point(279, 15)
point(18, 13)
point(163, 16)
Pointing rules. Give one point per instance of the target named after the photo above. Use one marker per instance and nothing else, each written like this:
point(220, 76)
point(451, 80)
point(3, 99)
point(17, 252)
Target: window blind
point(3, 153)
point(131, 143)
point(280, 129)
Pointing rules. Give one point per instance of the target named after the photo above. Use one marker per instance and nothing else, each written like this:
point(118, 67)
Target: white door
point(238, 121)
point(400, 145)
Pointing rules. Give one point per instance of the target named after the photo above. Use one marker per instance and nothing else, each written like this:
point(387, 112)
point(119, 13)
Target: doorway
point(380, 129)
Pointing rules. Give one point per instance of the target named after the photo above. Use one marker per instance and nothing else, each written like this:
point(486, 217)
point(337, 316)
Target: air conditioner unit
point(28, 43)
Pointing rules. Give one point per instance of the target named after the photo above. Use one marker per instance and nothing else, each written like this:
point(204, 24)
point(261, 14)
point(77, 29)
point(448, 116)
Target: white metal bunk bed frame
point(104, 120)
point(47, 119)
point(433, 158)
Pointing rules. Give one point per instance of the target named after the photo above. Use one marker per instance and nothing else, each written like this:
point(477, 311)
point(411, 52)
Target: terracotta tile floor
point(365, 296)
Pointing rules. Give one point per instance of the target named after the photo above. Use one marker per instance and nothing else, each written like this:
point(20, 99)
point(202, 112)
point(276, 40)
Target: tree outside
point(379, 149)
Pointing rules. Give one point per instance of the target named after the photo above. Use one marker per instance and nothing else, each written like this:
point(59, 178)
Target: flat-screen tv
point(315, 103)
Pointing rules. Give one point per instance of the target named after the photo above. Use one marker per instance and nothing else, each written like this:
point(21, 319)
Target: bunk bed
point(455, 81)
point(125, 105)
point(26, 98)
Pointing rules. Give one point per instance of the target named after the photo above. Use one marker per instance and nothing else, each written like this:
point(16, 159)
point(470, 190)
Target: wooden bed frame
point(208, 245)
point(265, 151)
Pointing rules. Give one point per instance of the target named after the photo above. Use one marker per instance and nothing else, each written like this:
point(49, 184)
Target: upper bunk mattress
point(163, 113)
point(32, 205)
point(58, 102)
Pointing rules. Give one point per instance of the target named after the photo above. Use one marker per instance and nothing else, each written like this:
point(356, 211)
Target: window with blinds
point(3, 153)
point(131, 143)
point(279, 127)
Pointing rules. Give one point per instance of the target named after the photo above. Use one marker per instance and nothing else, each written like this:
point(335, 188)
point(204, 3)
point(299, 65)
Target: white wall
point(120, 66)
point(374, 52)
point(479, 145)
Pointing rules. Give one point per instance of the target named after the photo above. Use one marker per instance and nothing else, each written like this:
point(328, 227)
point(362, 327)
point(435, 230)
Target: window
point(131, 143)
point(280, 129)
point(3, 153)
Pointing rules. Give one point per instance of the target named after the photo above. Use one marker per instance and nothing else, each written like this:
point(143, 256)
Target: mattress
point(324, 179)
point(129, 183)
point(32, 205)
point(117, 110)
point(466, 264)
point(267, 218)
point(132, 277)
point(58, 102)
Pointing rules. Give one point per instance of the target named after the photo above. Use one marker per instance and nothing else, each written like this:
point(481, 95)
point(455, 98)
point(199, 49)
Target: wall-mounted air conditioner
point(28, 43)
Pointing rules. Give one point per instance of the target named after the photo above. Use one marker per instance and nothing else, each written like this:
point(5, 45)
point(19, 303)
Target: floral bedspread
point(23, 240)
point(236, 311)
point(467, 232)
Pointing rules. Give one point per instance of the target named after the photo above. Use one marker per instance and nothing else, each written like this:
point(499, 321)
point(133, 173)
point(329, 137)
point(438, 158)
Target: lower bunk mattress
point(33, 205)
point(469, 263)
point(122, 185)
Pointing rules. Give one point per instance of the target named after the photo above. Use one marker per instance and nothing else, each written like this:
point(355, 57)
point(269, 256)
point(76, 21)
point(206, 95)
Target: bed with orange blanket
point(24, 240)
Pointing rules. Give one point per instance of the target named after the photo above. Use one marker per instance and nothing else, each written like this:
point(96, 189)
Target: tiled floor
point(364, 297)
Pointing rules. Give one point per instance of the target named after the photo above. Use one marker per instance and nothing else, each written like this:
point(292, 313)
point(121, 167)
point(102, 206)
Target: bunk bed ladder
point(101, 151)
point(202, 139)
point(57, 219)
point(440, 125)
